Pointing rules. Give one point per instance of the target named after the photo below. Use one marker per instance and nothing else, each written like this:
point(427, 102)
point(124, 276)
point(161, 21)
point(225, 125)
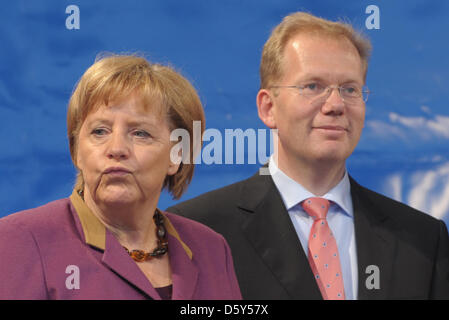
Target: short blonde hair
point(300, 22)
point(114, 77)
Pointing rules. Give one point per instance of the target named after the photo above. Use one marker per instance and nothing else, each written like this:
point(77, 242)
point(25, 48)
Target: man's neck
point(318, 177)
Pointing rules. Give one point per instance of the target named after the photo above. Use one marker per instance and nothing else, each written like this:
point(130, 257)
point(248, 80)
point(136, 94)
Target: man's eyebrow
point(314, 76)
point(324, 78)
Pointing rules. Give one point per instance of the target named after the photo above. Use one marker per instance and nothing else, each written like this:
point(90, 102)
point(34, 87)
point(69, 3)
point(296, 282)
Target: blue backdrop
point(403, 152)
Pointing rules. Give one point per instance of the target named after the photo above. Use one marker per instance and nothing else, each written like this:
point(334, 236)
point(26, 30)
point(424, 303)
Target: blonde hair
point(300, 22)
point(116, 77)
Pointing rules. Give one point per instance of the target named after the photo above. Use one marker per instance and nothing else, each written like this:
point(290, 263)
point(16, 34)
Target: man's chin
point(331, 157)
point(333, 151)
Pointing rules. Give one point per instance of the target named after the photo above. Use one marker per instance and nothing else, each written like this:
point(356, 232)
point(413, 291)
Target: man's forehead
point(323, 56)
point(304, 41)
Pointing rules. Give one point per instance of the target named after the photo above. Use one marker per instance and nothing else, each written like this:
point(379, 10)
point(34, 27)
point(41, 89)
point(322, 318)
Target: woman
point(109, 240)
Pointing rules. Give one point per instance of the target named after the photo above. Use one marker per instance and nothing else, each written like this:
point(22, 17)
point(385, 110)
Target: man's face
point(327, 130)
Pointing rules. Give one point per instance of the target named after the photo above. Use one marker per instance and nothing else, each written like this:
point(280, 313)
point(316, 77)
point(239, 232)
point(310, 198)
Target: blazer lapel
point(269, 228)
point(184, 271)
point(376, 245)
point(116, 258)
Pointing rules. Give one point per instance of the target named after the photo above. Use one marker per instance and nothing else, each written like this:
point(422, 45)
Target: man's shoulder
point(224, 196)
point(391, 208)
point(190, 228)
point(222, 201)
point(195, 234)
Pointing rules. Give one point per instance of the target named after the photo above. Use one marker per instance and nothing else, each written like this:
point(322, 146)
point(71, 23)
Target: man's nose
point(334, 103)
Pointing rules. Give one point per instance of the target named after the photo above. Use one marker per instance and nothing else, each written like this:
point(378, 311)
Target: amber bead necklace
point(162, 243)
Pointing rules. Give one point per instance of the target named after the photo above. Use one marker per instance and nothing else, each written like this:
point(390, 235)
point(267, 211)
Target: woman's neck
point(131, 224)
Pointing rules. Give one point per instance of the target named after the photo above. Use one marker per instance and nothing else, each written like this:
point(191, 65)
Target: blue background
point(403, 152)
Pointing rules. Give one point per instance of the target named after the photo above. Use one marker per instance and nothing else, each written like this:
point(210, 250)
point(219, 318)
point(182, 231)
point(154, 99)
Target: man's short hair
point(271, 67)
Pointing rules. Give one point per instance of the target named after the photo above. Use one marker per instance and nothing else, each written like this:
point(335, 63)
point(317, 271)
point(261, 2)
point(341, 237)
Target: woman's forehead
point(134, 110)
point(136, 103)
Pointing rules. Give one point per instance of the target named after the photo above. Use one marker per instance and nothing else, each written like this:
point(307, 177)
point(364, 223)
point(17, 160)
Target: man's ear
point(265, 106)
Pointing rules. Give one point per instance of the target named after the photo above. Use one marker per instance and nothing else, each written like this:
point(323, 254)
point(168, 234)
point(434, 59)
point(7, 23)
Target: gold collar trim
point(95, 231)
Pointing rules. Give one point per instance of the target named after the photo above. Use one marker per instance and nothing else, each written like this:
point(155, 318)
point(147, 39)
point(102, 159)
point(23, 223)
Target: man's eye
point(313, 88)
point(351, 90)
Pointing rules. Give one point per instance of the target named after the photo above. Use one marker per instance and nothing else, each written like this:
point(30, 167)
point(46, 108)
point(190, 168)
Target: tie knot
point(316, 207)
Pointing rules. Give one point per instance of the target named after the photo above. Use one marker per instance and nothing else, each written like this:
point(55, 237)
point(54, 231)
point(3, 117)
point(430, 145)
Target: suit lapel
point(269, 229)
point(376, 246)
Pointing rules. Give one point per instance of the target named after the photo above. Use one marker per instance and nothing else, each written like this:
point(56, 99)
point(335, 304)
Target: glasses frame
point(365, 92)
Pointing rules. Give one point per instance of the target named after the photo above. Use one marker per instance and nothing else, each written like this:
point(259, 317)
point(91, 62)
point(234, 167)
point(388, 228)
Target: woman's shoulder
point(29, 238)
point(38, 218)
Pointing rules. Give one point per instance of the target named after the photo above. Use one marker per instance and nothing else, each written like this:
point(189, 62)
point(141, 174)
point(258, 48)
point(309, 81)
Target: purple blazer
point(62, 251)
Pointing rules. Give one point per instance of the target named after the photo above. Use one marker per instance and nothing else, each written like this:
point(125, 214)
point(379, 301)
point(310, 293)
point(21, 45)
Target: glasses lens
point(365, 94)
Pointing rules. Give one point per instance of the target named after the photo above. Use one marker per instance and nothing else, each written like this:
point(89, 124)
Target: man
point(308, 230)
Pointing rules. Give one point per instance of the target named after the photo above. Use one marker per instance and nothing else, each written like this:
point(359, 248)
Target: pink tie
point(323, 252)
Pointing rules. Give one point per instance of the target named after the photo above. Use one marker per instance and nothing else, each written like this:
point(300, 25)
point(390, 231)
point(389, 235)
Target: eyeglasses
point(349, 93)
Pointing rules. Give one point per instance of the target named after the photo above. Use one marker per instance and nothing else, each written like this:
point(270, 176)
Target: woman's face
point(124, 153)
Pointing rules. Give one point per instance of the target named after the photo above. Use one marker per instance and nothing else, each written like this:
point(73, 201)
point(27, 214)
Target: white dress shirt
point(340, 219)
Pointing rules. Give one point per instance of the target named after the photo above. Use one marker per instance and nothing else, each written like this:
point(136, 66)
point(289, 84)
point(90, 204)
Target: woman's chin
point(117, 197)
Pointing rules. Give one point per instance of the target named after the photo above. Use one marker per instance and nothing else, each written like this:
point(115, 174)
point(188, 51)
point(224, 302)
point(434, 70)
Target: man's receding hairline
point(314, 34)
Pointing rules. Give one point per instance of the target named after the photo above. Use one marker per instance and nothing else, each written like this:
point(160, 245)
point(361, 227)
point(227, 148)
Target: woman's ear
point(172, 168)
point(174, 160)
point(265, 106)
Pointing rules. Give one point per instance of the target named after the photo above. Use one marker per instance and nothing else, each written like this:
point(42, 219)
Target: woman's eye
point(98, 131)
point(142, 134)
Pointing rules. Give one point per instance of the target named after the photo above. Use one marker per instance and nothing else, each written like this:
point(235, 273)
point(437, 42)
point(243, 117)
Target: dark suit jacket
point(410, 248)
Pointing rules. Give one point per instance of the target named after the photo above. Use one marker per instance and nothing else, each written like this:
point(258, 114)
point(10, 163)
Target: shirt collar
point(95, 231)
point(293, 193)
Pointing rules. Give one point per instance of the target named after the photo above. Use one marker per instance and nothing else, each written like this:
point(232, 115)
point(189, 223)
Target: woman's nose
point(118, 147)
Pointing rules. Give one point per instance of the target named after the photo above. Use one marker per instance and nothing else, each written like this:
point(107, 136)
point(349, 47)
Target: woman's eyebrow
point(143, 122)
